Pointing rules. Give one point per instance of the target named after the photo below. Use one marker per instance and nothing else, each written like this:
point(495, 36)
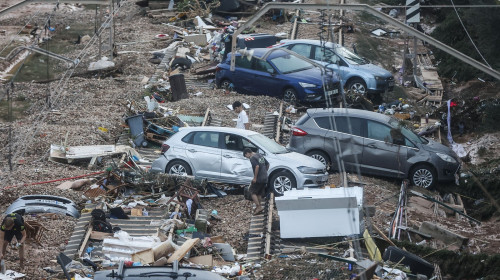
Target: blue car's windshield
point(289, 63)
point(351, 57)
point(268, 144)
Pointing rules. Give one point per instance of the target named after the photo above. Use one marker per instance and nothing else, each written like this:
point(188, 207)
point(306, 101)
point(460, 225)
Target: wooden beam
point(383, 235)
point(206, 117)
point(183, 250)
point(85, 240)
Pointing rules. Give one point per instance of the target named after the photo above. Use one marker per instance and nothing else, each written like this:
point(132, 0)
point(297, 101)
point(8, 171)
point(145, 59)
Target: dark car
point(280, 73)
point(255, 40)
point(156, 273)
point(372, 143)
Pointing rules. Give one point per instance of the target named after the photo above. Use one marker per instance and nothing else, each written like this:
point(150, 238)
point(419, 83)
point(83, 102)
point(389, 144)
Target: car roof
point(260, 52)
point(348, 112)
point(239, 131)
point(311, 42)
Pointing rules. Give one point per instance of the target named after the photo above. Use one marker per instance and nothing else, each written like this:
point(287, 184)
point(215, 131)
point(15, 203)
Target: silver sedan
point(216, 154)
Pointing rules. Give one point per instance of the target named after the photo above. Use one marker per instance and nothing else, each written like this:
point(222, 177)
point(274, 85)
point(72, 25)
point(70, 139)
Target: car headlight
point(379, 78)
point(446, 157)
point(306, 85)
point(307, 170)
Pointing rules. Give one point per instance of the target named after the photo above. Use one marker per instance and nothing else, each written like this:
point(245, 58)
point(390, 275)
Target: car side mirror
point(270, 71)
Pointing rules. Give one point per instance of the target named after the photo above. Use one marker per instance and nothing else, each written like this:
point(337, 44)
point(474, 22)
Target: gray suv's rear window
point(341, 124)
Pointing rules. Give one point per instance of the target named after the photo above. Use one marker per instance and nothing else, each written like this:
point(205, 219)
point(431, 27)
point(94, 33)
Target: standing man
point(242, 122)
point(13, 225)
point(259, 181)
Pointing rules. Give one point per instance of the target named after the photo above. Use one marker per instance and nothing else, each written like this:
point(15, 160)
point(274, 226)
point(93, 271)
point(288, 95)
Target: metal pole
point(111, 28)
point(415, 52)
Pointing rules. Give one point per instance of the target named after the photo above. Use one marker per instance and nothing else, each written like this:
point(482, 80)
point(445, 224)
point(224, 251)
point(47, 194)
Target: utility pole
point(111, 29)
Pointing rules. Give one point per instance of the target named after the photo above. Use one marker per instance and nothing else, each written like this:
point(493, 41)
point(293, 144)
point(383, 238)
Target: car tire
point(225, 84)
point(417, 265)
point(182, 63)
point(357, 85)
point(322, 157)
point(178, 167)
point(282, 181)
point(290, 96)
point(423, 175)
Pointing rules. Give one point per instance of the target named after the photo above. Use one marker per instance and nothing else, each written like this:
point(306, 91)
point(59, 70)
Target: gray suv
point(372, 143)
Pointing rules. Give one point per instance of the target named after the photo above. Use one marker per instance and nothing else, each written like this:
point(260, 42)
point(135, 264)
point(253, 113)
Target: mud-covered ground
point(73, 109)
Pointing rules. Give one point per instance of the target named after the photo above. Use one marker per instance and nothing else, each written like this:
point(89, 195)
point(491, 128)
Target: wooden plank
point(85, 240)
point(206, 117)
point(372, 248)
point(144, 256)
point(97, 235)
point(383, 235)
point(206, 260)
point(183, 250)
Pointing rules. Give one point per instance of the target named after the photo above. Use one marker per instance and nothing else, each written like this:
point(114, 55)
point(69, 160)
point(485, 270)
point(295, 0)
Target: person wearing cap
point(259, 181)
point(242, 122)
point(13, 225)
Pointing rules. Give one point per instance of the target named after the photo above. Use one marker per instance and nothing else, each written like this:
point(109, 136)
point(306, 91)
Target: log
point(163, 249)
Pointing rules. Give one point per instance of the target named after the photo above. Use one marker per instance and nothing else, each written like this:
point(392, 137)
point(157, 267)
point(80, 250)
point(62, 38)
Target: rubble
point(92, 110)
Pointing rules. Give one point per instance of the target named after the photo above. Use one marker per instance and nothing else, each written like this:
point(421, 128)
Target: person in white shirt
point(242, 122)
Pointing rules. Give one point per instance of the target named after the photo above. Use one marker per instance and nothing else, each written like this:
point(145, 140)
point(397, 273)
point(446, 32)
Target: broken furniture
point(68, 154)
point(320, 212)
point(34, 230)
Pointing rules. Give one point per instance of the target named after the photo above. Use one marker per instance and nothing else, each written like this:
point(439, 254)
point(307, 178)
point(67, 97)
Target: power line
point(13, 38)
point(466, 32)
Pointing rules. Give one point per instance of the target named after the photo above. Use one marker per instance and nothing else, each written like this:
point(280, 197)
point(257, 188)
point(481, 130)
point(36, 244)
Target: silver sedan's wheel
point(357, 85)
point(423, 176)
point(282, 181)
point(178, 168)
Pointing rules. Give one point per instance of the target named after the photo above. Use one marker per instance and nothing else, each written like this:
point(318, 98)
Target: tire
point(290, 96)
point(357, 85)
point(417, 265)
point(282, 181)
point(182, 63)
point(322, 157)
point(423, 176)
point(178, 167)
point(225, 84)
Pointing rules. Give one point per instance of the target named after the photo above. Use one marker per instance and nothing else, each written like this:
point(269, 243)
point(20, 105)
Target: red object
point(453, 104)
point(217, 69)
point(56, 180)
point(298, 132)
point(164, 148)
point(128, 263)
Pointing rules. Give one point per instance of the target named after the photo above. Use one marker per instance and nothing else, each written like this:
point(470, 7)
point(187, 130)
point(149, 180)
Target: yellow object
point(372, 248)
point(103, 129)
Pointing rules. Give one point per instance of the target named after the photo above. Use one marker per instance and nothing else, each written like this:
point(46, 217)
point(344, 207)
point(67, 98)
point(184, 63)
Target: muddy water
point(39, 67)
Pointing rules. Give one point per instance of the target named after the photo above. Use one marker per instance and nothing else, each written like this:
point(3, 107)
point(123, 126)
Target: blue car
point(280, 73)
point(355, 72)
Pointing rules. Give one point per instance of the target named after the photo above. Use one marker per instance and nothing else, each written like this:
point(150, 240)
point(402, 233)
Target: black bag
point(102, 226)
point(98, 215)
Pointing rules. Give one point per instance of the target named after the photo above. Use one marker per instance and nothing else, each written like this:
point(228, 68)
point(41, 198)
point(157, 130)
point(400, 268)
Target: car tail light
point(298, 132)
point(217, 69)
point(164, 148)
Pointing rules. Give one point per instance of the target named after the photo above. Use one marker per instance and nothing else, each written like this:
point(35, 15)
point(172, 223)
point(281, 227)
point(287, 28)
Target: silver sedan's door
point(205, 155)
point(235, 168)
